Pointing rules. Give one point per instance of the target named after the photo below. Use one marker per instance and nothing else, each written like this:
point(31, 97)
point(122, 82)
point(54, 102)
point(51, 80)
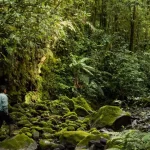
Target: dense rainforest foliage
point(96, 48)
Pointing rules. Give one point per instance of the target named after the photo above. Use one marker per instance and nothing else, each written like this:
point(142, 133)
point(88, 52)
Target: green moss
point(71, 123)
point(20, 141)
point(80, 101)
point(106, 116)
point(80, 129)
point(32, 97)
point(84, 125)
point(81, 111)
point(85, 141)
point(44, 144)
point(37, 128)
point(42, 107)
point(16, 115)
point(47, 144)
point(48, 130)
point(68, 102)
point(34, 120)
point(43, 124)
point(34, 112)
point(92, 129)
point(3, 133)
point(29, 134)
point(73, 137)
point(35, 134)
point(57, 134)
point(86, 120)
point(25, 105)
point(63, 125)
point(79, 122)
point(23, 118)
point(28, 114)
point(54, 120)
point(59, 108)
point(47, 136)
point(25, 123)
point(45, 114)
point(24, 129)
point(71, 116)
point(70, 128)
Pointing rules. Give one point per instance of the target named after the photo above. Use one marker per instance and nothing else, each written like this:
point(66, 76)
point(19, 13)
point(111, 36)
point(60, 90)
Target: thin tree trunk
point(94, 16)
point(147, 27)
point(132, 28)
point(103, 15)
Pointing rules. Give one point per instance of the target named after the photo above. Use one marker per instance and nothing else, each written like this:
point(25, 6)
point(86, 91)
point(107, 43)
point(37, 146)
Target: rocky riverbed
point(68, 124)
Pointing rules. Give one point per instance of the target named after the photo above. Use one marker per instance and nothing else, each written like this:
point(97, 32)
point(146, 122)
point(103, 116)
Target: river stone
point(19, 142)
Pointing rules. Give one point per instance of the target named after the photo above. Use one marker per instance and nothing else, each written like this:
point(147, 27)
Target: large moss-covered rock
point(19, 142)
point(107, 116)
point(72, 137)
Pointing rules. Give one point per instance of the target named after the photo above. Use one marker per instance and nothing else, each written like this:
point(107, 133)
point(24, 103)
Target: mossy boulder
point(40, 129)
point(69, 102)
point(43, 124)
point(19, 142)
point(17, 115)
point(55, 119)
point(80, 101)
point(3, 132)
point(107, 116)
point(45, 144)
point(98, 136)
point(58, 108)
point(81, 111)
point(72, 137)
point(34, 120)
point(70, 128)
point(48, 130)
point(35, 134)
point(71, 116)
point(34, 112)
point(46, 135)
point(24, 130)
point(24, 123)
point(42, 107)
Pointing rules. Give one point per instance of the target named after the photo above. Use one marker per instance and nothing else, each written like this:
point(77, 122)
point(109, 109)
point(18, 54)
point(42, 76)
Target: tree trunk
point(94, 15)
point(147, 27)
point(103, 15)
point(132, 28)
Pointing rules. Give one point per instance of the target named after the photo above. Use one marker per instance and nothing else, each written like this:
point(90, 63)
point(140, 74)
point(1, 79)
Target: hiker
point(4, 115)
